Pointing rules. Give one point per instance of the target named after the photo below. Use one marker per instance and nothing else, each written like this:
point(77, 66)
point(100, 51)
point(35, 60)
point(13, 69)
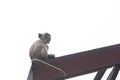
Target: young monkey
point(39, 49)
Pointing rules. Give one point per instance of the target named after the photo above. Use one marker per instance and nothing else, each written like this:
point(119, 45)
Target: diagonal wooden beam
point(114, 73)
point(78, 63)
point(30, 75)
point(100, 74)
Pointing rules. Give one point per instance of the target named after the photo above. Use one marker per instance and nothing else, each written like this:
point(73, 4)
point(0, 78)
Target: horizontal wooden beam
point(77, 64)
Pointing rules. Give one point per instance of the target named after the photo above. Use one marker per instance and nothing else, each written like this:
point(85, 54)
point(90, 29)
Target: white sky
point(75, 26)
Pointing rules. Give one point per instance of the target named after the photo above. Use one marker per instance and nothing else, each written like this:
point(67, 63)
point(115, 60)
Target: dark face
point(47, 37)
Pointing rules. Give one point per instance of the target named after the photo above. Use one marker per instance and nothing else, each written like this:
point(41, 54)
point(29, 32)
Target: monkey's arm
point(43, 52)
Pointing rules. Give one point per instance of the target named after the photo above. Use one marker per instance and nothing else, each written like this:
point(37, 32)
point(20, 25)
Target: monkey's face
point(46, 37)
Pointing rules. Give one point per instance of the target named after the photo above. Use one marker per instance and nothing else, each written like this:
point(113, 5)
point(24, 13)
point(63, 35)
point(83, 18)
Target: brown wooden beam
point(78, 63)
point(114, 73)
point(100, 74)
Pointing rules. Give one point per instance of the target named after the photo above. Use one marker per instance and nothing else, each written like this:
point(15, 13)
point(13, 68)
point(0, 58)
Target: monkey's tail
point(50, 66)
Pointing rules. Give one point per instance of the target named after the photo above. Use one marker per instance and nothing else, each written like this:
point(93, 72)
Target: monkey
point(39, 49)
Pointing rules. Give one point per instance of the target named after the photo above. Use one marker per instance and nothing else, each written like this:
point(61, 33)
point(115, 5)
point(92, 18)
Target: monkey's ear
point(39, 35)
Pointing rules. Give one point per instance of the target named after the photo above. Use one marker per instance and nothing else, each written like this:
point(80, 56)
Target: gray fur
point(39, 49)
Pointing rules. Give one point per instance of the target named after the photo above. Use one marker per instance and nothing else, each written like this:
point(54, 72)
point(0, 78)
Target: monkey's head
point(45, 37)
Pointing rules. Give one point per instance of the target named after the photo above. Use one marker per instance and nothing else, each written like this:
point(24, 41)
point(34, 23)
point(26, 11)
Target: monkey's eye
point(47, 36)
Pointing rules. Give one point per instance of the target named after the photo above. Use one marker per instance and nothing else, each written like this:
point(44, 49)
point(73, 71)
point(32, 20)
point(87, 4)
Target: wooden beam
point(114, 73)
point(100, 74)
point(30, 75)
point(78, 63)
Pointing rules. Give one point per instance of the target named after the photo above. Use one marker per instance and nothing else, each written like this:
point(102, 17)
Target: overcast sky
point(75, 26)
